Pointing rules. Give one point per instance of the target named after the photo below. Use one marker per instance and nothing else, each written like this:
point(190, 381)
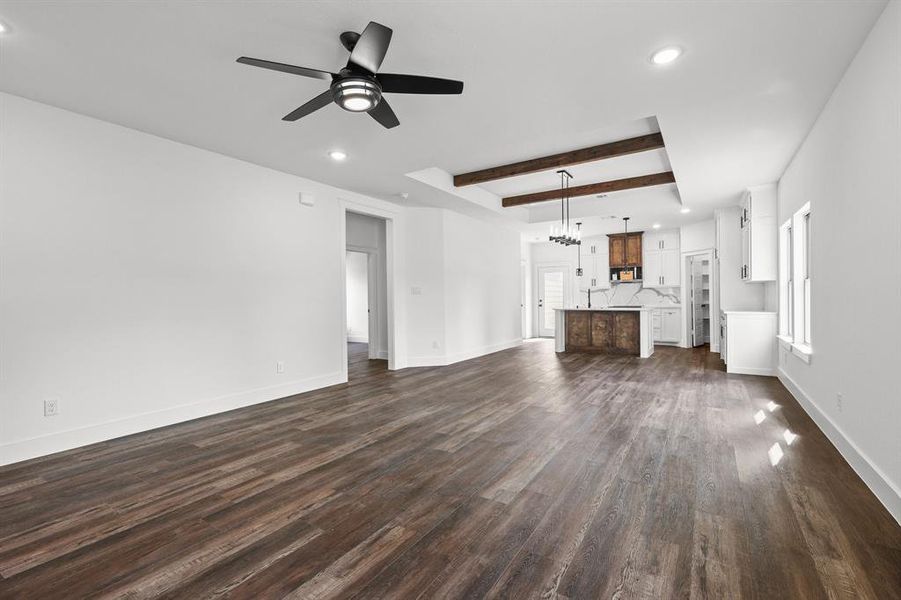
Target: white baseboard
point(884, 489)
point(440, 360)
point(361, 339)
point(751, 371)
point(383, 354)
point(74, 438)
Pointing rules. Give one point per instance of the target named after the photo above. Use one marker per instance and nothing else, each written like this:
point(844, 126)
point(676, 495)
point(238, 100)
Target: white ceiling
point(541, 77)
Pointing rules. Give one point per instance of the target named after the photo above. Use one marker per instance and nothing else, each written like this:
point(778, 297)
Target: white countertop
point(609, 309)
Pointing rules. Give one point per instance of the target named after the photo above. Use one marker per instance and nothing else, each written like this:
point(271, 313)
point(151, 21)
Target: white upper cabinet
point(758, 229)
point(660, 260)
point(595, 264)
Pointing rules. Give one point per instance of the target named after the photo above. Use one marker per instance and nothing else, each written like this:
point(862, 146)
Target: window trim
point(795, 284)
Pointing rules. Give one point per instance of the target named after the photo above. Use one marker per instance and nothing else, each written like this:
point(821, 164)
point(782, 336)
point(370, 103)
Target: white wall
point(848, 169)
point(482, 287)
point(425, 291)
point(146, 282)
point(525, 262)
point(357, 297)
point(464, 279)
point(369, 234)
point(697, 236)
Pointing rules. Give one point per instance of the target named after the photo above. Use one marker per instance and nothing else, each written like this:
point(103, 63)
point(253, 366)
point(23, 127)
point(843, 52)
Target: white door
point(552, 293)
point(697, 302)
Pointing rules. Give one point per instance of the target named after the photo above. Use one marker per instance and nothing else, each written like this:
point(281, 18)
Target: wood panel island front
point(610, 330)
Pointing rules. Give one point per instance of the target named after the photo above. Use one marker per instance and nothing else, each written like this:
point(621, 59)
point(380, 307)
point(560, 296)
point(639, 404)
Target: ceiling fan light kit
point(358, 87)
point(356, 94)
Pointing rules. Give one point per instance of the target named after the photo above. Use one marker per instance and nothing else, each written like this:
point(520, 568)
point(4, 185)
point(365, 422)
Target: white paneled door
point(552, 292)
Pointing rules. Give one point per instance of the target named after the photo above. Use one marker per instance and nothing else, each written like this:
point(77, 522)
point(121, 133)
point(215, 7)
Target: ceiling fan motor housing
point(356, 93)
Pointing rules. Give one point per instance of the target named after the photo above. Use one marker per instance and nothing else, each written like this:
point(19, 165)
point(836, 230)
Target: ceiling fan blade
point(276, 66)
point(371, 47)
point(313, 105)
point(417, 84)
point(384, 115)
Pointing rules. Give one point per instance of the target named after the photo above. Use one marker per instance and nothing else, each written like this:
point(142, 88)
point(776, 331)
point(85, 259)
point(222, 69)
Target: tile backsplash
point(629, 294)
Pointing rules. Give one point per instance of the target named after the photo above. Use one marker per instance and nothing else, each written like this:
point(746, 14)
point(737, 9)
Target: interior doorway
point(700, 270)
point(366, 293)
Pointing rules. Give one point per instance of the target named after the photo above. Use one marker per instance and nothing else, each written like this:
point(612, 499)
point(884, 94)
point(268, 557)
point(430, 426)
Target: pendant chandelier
point(564, 232)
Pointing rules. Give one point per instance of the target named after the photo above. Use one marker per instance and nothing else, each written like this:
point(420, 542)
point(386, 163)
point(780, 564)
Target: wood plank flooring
point(516, 475)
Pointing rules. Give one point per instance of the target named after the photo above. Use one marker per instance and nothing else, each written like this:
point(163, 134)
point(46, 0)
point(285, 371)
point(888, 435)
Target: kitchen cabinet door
point(578, 332)
point(657, 325)
point(652, 274)
point(617, 251)
point(671, 325)
point(633, 250)
point(602, 330)
point(669, 240)
point(588, 266)
point(627, 338)
point(669, 268)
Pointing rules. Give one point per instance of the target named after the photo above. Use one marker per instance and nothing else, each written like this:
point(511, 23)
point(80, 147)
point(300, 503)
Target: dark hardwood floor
point(520, 474)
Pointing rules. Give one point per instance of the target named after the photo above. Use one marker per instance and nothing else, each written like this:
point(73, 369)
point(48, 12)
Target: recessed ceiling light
point(337, 155)
point(666, 55)
point(685, 210)
point(656, 225)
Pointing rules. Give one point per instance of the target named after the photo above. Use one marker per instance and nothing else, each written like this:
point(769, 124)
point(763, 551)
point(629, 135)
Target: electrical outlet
point(280, 367)
point(436, 345)
point(51, 407)
point(838, 401)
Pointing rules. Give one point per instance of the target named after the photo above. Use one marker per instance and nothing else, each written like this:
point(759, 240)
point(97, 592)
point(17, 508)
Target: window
point(794, 283)
point(805, 221)
point(785, 281)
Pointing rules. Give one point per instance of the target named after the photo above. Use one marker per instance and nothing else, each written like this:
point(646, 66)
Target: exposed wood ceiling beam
point(642, 143)
point(593, 188)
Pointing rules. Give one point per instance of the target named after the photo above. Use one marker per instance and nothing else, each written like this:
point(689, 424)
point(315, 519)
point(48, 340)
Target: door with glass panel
point(553, 289)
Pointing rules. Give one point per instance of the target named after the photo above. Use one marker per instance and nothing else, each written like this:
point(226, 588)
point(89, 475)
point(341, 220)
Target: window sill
point(802, 351)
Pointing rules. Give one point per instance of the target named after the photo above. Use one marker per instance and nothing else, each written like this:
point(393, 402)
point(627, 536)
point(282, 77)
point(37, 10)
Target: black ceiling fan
point(358, 87)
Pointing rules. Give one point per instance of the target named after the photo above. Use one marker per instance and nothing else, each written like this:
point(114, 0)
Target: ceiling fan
point(358, 87)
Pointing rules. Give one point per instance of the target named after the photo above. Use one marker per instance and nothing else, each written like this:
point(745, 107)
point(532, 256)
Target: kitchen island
point(608, 330)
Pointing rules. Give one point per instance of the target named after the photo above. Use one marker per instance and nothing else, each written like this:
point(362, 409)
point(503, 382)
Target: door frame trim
point(392, 221)
point(687, 306)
